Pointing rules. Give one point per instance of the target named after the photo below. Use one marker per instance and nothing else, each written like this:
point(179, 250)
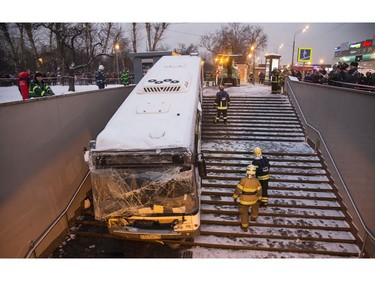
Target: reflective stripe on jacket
point(263, 168)
point(39, 90)
point(244, 190)
point(222, 100)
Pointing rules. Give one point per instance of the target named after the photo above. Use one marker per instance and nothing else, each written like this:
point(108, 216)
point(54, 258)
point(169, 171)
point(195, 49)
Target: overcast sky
point(330, 24)
point(321, 37)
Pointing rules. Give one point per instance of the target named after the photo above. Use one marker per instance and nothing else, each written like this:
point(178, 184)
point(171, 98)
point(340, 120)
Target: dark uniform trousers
point(249, 190)
point(219, 112)
point(275, 85)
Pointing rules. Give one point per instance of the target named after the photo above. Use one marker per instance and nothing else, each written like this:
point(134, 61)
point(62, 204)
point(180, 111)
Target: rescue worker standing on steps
point(275, 81)
point(249, 190)
point(262, 173)
point(222, 102)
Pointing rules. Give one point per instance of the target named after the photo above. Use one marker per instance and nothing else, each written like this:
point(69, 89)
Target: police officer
point(262, 173)
point(249, 191)
point(222, 102)
point(100, 77)
point(275, 89)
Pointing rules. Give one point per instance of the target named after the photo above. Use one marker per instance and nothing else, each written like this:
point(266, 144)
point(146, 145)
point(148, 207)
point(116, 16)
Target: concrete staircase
point(304, 218)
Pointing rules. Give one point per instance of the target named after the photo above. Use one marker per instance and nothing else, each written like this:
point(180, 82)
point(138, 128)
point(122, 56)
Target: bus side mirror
point(202, 169)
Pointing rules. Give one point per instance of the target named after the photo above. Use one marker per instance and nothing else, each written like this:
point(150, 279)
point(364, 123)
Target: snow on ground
point(256, 90)
point(11, 93)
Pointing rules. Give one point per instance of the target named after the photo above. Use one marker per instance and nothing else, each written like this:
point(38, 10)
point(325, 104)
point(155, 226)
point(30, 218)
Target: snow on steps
point(304, 219)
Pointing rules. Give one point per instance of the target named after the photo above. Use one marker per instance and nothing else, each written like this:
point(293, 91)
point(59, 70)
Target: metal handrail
point(368, 232)
point(362, 87)
point(48, 230)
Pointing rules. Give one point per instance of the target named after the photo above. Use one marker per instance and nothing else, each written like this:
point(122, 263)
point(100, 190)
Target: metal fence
point(62, 80)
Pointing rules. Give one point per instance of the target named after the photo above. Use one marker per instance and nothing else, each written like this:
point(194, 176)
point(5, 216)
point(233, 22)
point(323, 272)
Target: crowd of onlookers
point(341, 75)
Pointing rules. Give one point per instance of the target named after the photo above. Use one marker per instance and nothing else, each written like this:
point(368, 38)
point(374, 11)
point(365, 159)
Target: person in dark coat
point(100, 77)
point(353, 74)
point(222, 102)
point(261, 78)
point(262, 165)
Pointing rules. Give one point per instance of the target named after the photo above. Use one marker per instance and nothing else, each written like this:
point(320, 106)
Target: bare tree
point(154, 34)
point(65, 46)
point(134, 38)
point(208, 41)
point(22, 47)
point(29, 28)
point(236, 38)
point(6, 34)
point(187, 50)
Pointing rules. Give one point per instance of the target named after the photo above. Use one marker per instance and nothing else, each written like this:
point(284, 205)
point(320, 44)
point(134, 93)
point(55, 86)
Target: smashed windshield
point(143, 192)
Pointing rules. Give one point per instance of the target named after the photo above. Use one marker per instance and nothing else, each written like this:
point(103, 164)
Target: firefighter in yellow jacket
point(249, 192)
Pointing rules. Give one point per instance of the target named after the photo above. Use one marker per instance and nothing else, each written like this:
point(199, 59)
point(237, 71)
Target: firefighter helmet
point(257, 152)
point(101, 67)
point(250, 170)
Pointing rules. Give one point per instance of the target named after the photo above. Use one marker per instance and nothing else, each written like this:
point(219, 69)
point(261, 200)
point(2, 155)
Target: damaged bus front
point(146, 195)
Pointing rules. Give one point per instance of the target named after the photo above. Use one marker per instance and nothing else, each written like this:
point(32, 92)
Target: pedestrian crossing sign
point(304, 54)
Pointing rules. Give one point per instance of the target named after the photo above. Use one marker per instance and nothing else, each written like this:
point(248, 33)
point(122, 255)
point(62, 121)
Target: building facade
point(362, 52)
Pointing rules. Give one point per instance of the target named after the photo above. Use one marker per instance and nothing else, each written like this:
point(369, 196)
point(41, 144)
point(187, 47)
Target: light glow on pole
point(294, 41)
point(117, 47)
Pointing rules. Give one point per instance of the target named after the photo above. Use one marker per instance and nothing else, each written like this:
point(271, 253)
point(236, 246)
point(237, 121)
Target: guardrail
point(64, 81)
point(34, 244)
point(368, 238)
point(52, 163)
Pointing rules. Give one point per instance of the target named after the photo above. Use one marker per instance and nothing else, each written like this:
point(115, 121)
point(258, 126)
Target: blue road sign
point(304, 54)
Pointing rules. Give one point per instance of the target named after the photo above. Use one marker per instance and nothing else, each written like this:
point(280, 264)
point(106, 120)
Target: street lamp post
point(252, 55)
point(282, 45)
point(117, 47)
point(252, 49)
point(294, 42)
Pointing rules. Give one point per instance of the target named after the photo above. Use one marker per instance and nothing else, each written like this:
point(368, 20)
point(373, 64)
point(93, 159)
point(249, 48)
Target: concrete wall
point(41, 159)
point(346, 120)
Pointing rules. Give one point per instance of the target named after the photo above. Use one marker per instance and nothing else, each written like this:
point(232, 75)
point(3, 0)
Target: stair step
point(304, 217)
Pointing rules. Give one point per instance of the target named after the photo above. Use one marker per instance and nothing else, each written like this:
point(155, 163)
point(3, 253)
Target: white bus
point(146, 165)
